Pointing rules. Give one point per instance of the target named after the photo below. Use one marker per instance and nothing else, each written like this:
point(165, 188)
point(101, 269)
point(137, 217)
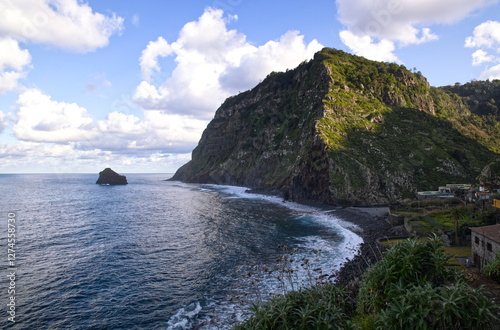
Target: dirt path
point(491, 289)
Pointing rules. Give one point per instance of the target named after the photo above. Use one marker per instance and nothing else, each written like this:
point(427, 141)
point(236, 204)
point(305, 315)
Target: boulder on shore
point(110, 177)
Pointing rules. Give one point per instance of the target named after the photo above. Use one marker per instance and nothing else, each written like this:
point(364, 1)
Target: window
point(476, 240)
point(488, 246)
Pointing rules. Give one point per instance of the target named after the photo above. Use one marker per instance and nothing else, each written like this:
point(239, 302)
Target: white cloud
point(364, 46)
point(4, 121)
point(120, 123)
point(258, 62)
point(58, 151)
point(40, 119)
point(155, 131)
point(398, 21)
point(66, 24)
point(491, 73)
point(212, 64)
point(480, 56)
point(171, 131)
point(14, 62)
point(486, 36)
point(93, 154)
point(149, 58)
point(11, 56)
point(19, 149)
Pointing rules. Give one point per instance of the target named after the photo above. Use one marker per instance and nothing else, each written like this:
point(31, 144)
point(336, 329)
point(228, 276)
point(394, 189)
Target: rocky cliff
point(341, 129)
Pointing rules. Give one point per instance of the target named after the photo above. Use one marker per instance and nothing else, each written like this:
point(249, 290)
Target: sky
point(131, 85)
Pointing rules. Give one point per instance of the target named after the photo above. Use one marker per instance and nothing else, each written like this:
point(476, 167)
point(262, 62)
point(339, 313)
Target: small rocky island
point(110, 177)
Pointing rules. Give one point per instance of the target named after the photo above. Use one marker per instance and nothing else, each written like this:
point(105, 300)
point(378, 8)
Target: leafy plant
point(456, 306)
point(323, 306)
point(406, 264)
point(492, 268)
point(412, 287)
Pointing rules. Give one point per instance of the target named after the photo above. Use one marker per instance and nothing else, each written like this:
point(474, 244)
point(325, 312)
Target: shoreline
point(372, 220)
point(373, 225)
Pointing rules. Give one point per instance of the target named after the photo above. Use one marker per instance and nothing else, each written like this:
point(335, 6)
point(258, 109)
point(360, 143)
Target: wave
point(184, 317)
point(338, 243)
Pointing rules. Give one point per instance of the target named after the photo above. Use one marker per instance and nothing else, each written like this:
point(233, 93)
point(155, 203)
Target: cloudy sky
point(132, 84)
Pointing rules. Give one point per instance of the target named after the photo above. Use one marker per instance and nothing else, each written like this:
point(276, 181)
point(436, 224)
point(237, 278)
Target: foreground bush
point(492, 268)
point(412, 287)
point(456, 306)
point(405, 265)
point(415, 287)
point(323, 306)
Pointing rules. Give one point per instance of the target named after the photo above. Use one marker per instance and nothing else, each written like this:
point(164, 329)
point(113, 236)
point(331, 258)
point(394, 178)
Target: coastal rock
point(110, 177)
point(342, 130)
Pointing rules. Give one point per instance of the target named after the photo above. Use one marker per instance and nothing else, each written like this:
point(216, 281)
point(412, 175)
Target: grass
point(459, 251)
point(396, 241)
point(438, 218)
point(454, 251)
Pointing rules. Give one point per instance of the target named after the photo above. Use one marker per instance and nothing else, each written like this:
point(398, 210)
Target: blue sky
point(131, 85)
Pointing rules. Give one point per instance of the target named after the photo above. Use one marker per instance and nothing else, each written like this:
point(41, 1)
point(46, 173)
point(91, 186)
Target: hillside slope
point(343, 130)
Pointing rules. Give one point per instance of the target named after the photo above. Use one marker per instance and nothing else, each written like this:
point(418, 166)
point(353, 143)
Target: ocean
point(153, 254)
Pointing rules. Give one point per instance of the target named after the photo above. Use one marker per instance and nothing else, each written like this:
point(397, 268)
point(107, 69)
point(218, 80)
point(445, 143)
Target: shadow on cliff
point(409, 151)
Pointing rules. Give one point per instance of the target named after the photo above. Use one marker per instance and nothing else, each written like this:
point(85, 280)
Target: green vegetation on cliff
point(345, 130)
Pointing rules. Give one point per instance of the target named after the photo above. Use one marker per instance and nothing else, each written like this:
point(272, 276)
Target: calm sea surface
point(149, 255)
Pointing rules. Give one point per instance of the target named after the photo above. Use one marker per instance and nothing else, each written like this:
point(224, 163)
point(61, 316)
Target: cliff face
point(267, 137)
point(342, 130)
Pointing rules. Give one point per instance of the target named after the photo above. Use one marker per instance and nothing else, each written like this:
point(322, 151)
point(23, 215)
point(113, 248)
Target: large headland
point(343, 130)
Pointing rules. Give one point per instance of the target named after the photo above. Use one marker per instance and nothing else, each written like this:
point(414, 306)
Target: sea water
point(153, 254)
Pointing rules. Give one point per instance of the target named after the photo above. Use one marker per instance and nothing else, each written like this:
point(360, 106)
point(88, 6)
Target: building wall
point(481, 247)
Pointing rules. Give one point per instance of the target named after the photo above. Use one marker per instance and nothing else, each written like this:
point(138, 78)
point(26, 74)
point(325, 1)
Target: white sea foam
point(326, 218)
point(339, 243)
point(182, 319)
point(333, 254)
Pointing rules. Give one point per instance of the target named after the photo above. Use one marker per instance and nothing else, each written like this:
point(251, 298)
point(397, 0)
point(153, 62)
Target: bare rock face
point(110, 177)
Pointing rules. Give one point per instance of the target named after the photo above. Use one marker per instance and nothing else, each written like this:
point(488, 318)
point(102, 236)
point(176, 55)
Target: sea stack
point(110, 177)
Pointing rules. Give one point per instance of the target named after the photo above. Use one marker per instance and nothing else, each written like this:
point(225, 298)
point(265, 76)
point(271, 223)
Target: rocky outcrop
point(110, 177)
point(340, 129)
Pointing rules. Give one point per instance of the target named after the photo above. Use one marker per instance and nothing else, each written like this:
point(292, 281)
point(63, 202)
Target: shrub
point(406, 264)
point(492, 268)
point(456, 306)
point(415, 287)
point(412, 287)
point(323, 306)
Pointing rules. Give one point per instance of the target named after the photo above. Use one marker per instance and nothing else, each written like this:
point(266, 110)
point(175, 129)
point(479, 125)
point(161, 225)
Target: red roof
point(491, 232)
